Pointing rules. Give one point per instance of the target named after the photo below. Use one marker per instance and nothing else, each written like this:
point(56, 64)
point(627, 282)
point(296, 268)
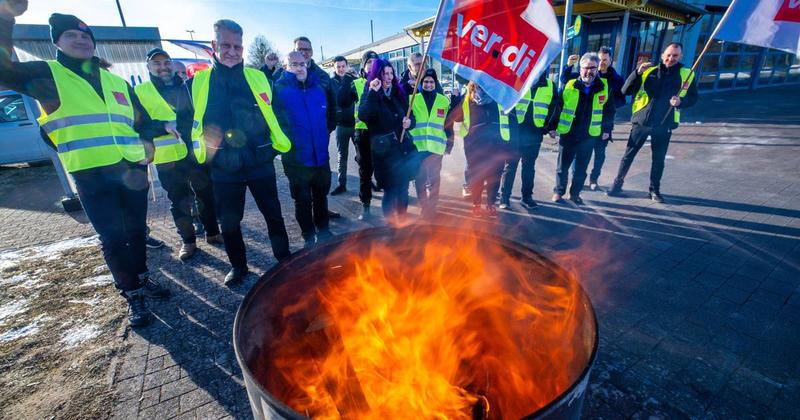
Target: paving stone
point(194, 399)
point(176, 388)
point(161, 377)
point(163, 410)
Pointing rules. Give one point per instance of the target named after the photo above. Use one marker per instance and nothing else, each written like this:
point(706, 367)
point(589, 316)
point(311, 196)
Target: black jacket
point(528, 132)
point(234, 122)
point(344, 116)
point(615, 82)
point(347, 98)
point(661, 85)
point(583, 113)
point(179, 99)
point(34, 78)
point(272, 74)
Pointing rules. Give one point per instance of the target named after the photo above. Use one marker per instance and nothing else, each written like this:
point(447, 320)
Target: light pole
point(121, 16)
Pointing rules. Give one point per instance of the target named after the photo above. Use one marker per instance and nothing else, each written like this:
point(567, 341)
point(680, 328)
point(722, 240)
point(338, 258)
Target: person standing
point(301, 107)
point(180, 175)
point(352, 97)
point(409, 77)
point(345, 121)
point(384, 111)
point(236, 132)
point(534, 113)
point(103, 137)
point(586, 113)
point(271, 68)
point(661, 91)
point(433, 138)
point(180, 70)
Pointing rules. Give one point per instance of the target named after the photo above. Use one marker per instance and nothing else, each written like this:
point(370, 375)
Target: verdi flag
point(765, 23)
point(503, 45)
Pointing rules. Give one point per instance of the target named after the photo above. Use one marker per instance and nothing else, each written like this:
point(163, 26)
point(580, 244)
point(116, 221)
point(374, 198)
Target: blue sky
point(337, 25)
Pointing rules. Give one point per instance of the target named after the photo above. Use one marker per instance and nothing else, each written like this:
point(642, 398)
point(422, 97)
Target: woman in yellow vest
point(95, 122)
point(586, 113)
point(433, 138)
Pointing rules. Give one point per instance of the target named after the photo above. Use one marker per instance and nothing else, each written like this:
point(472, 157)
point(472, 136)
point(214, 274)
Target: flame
point(437, 327)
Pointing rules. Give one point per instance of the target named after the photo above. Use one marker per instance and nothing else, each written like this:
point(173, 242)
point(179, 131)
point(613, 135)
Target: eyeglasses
point(589, 68)
point(298, 65)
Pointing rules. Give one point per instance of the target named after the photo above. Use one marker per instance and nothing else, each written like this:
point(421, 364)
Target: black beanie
point(60, 23)
point(366, 56)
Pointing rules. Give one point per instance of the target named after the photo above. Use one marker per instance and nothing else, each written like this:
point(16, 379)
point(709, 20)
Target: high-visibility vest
point(168, 147)
point(359, 85)
point(570, 97)
point(642, 99)
point(262, 92)
point(505, 129)
point(428, 132)
point(541, 104)
point(89, 131)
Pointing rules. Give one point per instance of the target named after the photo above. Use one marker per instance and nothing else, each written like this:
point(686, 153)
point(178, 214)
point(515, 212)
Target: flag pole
point(564, 41)
point(422, 67)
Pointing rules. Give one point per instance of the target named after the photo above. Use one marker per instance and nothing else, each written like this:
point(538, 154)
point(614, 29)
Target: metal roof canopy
point(114, 43)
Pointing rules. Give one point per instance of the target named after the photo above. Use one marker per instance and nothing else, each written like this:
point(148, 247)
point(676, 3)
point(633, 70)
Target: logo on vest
point(440, 113)
point(121, 99)
point(265, 98)
point(789, 11)
point(602, 99)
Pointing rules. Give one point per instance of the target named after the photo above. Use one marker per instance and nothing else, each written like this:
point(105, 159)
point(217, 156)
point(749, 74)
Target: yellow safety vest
point(359, 85)
point(570, 97)
point(89, 131)
point(262, 92)
point(428, 132)
point(642, 99)
point(541, 104)
point(168, 147)
point(505, 129)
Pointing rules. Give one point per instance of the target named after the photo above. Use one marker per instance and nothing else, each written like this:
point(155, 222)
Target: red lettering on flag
point(121, 99)
point(491, 36)
point(440, 112)
point(789, 11)
point(265, 98)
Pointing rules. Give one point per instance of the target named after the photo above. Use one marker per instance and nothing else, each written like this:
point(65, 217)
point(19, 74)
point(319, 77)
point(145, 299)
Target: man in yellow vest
point(352, 98)
point(534, 112)
point(661, 93)
point(165, 97)
point(433, 138)
point(586, 113)
point(95, 122)
point(236, 133)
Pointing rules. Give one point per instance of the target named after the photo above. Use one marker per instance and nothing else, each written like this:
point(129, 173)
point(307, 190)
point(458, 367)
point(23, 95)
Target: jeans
point(659, 143)
point(580, 152)
point(528, 153)
point(230, 199)
point(599, 158)
point(185, 180)
point(343, 136)
point(395, 201)
point(114, 198)
point(365, 168)
point(309, 187)
point(427, 181)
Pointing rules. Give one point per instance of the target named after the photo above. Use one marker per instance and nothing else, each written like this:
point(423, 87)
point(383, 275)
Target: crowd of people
point(217, 135)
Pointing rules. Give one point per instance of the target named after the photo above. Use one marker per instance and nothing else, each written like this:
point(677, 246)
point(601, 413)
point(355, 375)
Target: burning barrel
point(417, 322)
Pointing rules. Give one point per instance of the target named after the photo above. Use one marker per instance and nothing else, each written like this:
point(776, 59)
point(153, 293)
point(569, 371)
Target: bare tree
point(258, 50)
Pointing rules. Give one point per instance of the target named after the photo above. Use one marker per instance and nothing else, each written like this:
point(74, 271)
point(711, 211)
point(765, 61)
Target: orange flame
point(433, 328)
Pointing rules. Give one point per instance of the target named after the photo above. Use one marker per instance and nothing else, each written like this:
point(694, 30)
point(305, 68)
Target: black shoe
point(236, 275)
point(528, 203)
point(334, 215)
point(505, 203)
point(153, 243)
point(366, 214)
point(341, 189)
point(324, 235)
point(152, 288)
point(656, 196)
point(138, 314)
point(199, 228)
point(309, 241)
point(576, 199)
point(375, 188)
point(614, 191)
point(593, 185)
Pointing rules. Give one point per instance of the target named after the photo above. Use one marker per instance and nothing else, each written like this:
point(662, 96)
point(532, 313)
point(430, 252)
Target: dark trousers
point(365, 168)
point(343, 136)
point(185, 180)
point(485, 167)
point(230, 199)
point(579, 153)
point(115, 200)
point(428, 180)
point(528, 154)
point(309, 187)
point(395, 200)
point(599, 158)
point(659, 143)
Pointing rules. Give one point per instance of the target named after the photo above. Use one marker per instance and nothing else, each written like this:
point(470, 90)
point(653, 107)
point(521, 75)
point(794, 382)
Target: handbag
point(382, 144)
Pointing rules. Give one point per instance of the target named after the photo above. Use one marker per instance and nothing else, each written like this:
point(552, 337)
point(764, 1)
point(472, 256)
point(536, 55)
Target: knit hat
point(60, 23)
point(369, 54)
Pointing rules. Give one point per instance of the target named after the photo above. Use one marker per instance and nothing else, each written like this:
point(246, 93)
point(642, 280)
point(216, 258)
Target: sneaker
point(466, 192)
point(477, 211)
point(215, 239)
point(576, 199)
point(557, 198)
point(491, 212)
point(528, 203)
point(153, 243)
point(341, 189)
point(236, 275)
point(152, 288)
point(593, 186)
point(505, 203)
point(138, 314)
point(656, 196)
point(366, 214)
point(187, 251)
point(614, 191)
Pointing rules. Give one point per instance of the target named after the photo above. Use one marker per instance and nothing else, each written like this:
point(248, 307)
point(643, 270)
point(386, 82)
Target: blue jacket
point(303, 113)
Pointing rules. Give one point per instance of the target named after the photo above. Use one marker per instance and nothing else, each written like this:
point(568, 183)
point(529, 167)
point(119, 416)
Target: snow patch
point(19, 278)
point(100, 269)
point(78, 335)
point(25, 331)
point(50, 252)
point(10, 309)
point(98, 281)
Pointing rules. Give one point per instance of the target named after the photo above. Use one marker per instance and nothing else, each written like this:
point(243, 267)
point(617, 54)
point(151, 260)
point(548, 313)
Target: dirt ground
point(61, 328)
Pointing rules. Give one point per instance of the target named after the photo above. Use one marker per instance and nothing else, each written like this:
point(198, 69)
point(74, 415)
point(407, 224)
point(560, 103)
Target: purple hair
point(376, 72)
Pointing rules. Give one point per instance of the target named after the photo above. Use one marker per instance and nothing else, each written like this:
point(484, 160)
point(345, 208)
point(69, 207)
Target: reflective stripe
point(96, 142)
point(504, 126)
point(542, 116)
point(195, 144)
point(565, 122)
point(85, 119)
point(597, 111)
point(195, 124)
point(431, 138)
point(568, 112)
point(541, 104)
point(166, 142)
point(429, 124)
